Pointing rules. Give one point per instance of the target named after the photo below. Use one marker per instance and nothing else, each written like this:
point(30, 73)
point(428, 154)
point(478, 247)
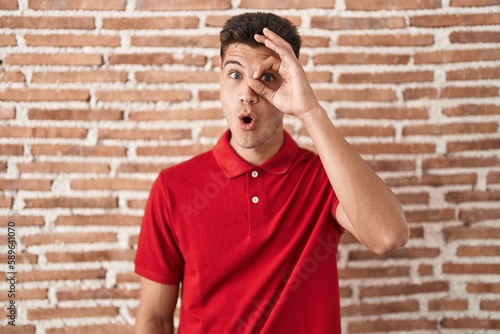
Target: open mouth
point(247, 120)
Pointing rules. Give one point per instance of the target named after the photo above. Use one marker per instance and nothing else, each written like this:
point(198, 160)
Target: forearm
point(370, 206)
point(154, 326)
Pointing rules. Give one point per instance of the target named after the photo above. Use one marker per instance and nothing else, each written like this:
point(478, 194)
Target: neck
point(258, 155)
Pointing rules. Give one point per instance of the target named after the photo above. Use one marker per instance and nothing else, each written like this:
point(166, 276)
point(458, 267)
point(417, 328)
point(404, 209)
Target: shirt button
point(255, 174)
point(255, 200)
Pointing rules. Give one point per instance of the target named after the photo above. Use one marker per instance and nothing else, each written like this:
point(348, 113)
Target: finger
point(276, 43)
point(260, 89)
point(270, 63)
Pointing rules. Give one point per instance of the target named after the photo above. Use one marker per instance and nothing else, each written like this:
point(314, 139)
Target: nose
point(247, 94)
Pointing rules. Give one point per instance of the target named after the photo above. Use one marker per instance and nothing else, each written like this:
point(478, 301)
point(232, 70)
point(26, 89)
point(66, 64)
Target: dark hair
point(243, 27)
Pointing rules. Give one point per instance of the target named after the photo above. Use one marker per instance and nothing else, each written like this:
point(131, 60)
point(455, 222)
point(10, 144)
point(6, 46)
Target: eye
point(235, 75)
point(267, 78)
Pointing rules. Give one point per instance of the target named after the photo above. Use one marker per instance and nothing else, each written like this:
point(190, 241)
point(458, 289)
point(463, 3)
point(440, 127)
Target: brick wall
point(97, 96)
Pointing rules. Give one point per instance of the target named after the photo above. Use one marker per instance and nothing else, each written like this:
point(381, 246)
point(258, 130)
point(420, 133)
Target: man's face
point(253, 121)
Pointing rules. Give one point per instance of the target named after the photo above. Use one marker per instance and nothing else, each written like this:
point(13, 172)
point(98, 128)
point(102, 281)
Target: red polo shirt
point(253, 246)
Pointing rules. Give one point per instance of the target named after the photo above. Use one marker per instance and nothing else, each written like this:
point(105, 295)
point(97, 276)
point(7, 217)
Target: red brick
point(6, 202)
point(141, 167)
point(472, 92)
point(115, 220)
point(490, 305)
point(467, 233)
point(315, 42)
point(380, 308)
point(403, 253)
point(73, 59)
point(460, 162)
point(471, 268)
point(93, 256)
point(286, 4)
point(111, 184)
point(454, 20)
point(481, 288)
point(413, 198)
point(425, 270)
point(191, 77)
point(75, 114)
point(395, 148)
point(11, 149)
point(14, 76)
point(478, 251)
point(474, 37)
point(453, 56)
point(386, 272)
point(467, 3)
point(350, 23)
point(21, 257)
point(386, 40)
point(387, 77)
point(42, 132)
point(66, 167)
point(448, 129)
point(183, 5)
point(168, 115)
point(97, 294)
point(472, 196)
point(474, 74)
point(31, 22)
point(71, 202)
point(72, 40)
point(78, 5)
point(68, 238)
point(80, 312)
point(7, 113)
point(25, 184)
point(392, 165)
point(383, 113)
point(8, 5)
point(79, 76)
point(450, 92)
point(360, 58)
point(392, 4)
point(448, 305)
point(430, 215)
point(475, 215)
point(385, 326)
point(97, 329)
point(25, 94)
point(148, 23)
point(493, 177)
point(135, 134)
point(362, 131)
point(476, 145)
point(204, 41)
point(28, 221)
point(8, 40)
point(143, 59)
point(470, 323)
point(18, 329)
point(77, 150)
point(173, 150)
point(61, 275)
point(403, 289)
point(143, 95)
point(136, 204)
point(356, 94)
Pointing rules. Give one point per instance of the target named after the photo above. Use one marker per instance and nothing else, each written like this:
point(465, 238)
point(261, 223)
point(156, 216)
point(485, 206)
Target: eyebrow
point(235, 62)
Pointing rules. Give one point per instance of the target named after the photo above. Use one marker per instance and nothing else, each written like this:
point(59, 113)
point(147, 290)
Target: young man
point(250, 229)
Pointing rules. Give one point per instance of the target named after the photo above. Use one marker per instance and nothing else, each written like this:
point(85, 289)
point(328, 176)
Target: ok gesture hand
point(295, 96)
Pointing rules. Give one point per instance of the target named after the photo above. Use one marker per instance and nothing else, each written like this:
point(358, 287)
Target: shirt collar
point(233, 165)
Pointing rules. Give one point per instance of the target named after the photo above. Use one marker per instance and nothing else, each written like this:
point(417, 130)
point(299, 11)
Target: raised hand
point(295, 95)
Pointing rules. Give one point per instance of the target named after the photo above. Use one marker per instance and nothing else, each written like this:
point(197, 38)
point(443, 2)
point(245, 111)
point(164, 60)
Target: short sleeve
point(158, 257)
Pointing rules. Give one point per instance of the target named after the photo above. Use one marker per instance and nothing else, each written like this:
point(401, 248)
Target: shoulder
point(190, 168)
